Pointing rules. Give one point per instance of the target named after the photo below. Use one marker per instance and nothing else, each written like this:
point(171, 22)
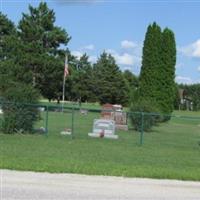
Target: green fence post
point(142, 129)
point(47, 119)
point(72, 134)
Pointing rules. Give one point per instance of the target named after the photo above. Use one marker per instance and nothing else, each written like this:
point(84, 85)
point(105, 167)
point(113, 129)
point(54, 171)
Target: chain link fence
point(77, 123)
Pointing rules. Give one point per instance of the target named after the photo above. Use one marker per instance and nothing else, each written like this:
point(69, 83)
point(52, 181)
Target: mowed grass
point(171, 150)
point(71, 104)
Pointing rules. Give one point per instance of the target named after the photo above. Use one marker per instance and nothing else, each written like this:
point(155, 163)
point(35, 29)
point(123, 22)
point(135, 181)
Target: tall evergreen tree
point(158, 68)
point(167, 71)
point(41, 41)
point(149, 77)
point(110, 85)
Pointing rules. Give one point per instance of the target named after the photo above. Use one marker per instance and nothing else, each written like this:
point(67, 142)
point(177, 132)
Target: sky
point(118, 27)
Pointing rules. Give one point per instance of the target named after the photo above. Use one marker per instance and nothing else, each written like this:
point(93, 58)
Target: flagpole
point(64, 77)
point(63, 96)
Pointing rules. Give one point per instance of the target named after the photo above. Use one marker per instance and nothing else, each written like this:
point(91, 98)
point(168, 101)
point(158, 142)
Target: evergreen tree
point(149, 77)
point(158, 68)
point(51, 78)
point(132, 79)
point(167, 71)
point(133, 84)
point(82, 87)
point(110, 85)
point(17, 117)
point(8, 48)
point(41, 41)
point(7, 30)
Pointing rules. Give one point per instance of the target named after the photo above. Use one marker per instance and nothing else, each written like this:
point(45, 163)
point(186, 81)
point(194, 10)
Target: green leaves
point(19, 117)
point(33, 56)
point(111, 87)
point(158, 68)
point(41, 56)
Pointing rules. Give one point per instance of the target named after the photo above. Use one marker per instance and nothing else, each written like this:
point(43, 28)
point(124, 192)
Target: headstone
point(114, 112)
point(83, 111)
point(42, 109)
point(40, 130)
point(120, 118)
point(103, 128)
point(107, 111)
point(117, 107)
point(66, 132)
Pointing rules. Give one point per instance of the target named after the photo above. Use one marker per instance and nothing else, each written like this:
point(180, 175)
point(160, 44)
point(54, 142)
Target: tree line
point(32, 57)
point(31, 54)
point(190, 92)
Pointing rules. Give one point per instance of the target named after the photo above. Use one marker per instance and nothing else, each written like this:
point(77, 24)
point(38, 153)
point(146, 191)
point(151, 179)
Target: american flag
point(66, 70)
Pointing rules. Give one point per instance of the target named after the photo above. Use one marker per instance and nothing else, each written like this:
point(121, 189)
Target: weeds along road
point(45, 186)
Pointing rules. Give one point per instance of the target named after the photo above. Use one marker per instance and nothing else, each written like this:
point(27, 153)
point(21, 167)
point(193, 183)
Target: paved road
point(45, 186)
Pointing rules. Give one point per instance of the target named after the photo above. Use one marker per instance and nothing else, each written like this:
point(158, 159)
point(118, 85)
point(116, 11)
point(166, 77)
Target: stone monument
point(103, 128)
point(120, 118)
point(107, 111)
point(114, 112)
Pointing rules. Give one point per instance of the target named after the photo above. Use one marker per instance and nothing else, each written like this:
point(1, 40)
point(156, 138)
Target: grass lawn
point(71, 104)
point(95, 106)
point(171, 150)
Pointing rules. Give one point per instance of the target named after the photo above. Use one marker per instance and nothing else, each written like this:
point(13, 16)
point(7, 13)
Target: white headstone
point(103, 128)
point(42, 109)
point(66, 132)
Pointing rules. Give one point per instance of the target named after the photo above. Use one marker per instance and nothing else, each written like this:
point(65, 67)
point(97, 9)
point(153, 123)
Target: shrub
point(150, 116)
point(18, 116)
